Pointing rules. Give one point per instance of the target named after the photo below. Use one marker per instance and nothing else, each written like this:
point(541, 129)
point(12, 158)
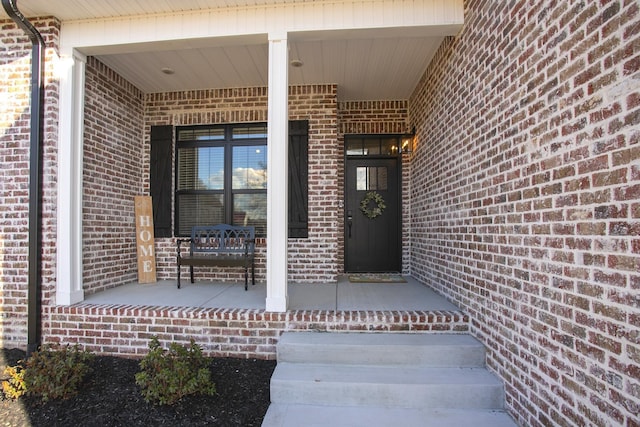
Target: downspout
point(35, 175)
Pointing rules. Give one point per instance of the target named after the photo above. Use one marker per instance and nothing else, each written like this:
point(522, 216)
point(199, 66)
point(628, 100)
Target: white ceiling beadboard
point(374, 49)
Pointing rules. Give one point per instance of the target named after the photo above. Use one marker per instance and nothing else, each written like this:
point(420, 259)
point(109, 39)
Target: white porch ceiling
point(363, 69)
point(364, 64)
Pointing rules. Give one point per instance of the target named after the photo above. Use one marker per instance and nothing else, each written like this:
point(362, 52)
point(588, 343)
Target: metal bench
point(219, 245)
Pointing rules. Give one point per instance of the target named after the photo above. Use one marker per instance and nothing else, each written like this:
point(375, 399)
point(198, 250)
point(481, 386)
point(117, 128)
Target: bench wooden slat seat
point(219, 245)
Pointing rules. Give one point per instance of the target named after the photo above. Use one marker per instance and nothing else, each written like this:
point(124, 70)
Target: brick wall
point(318, 258)
point(223, 332)
point(315, 259)
point(112, 176)
point(373, 117)
point(15, 75)
point(526, 200)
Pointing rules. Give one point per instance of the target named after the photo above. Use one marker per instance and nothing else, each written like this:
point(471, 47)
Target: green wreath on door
point(372, 205)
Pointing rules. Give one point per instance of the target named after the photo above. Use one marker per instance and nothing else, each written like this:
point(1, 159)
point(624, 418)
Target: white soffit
point(371, 49)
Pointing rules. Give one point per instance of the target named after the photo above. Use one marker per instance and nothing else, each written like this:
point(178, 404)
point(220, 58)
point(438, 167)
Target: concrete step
point(383, 379)
point(446, 350)
point(283, 415)
point(397, 386)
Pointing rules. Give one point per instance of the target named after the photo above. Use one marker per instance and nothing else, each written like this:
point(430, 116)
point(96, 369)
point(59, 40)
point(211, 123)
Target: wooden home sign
point(144, 240)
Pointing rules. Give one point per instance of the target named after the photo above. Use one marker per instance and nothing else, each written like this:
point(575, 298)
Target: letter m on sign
point(144, 239)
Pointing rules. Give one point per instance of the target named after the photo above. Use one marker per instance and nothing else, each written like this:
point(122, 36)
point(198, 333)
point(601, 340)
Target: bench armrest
point(179, 242)
point(249, 243)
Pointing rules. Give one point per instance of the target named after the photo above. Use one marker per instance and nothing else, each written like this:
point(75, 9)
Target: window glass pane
point(371, 178)
point(201, 134)
point(201, 168)
point(251, 131)
point(390, 146)
point(199, 209)
point(361, 179)
point(381, 178)
point(354, 147)
point(250, 167)
point(371, 147)
point(221, 176)
point(251, 209)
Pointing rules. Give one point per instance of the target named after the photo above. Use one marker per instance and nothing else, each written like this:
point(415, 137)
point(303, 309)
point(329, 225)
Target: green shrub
point(168, 375)
point(50, 373)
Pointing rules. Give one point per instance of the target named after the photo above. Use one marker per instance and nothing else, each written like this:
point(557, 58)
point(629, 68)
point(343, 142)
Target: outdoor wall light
point(406, 141)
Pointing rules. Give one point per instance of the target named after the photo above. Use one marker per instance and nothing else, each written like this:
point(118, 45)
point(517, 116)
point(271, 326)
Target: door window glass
point(371, 178)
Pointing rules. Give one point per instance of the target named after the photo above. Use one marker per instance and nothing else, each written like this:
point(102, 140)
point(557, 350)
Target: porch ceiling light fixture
point(406, 141)
point(297, 63)
point(168, 71)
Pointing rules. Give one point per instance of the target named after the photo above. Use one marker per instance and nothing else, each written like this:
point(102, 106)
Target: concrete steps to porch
point(377, 379)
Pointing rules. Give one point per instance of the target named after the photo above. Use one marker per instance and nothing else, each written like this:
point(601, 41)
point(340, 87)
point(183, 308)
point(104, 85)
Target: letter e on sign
point(144, 240)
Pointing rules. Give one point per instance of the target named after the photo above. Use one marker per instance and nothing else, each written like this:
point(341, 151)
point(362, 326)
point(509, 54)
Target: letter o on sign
point(145, 235)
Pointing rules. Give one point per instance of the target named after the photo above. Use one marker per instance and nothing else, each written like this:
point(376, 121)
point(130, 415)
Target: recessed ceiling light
point(296, 63)
point(168, 70)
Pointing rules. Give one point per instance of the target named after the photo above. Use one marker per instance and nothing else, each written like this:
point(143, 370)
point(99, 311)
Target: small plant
point(14, 386)
point(51, 373)
point(168, 375)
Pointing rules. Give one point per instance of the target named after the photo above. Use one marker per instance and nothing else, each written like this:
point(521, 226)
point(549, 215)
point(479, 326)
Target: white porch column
point(69, 210)
point(277, 190)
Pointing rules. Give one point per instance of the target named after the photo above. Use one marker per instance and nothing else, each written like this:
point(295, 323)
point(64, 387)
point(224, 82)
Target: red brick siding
point(525, 200)
point(373, 117)
point(319, 258)
point(15, 75)
point(126, 330)
point(310, 260)
point(112, 176)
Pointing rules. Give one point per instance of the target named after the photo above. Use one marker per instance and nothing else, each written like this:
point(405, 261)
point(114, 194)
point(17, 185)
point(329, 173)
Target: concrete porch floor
point(340, 296)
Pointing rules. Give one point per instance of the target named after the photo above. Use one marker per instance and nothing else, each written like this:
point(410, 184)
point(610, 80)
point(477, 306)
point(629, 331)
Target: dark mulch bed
point(110, 397)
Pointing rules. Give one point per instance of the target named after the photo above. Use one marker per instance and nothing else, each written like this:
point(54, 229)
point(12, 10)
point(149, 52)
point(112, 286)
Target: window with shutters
point(221, 176)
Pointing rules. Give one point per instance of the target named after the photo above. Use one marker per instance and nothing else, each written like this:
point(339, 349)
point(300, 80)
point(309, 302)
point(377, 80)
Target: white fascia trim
point(143, 32)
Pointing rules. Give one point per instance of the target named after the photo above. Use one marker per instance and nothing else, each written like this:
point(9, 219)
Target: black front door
point(372, 215)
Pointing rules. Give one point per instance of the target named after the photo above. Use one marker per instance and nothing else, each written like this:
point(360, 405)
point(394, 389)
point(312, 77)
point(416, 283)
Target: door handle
point(349, 222)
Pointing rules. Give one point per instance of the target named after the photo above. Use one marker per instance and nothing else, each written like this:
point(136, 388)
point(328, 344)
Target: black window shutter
point(160, 179)
point(298, 178)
